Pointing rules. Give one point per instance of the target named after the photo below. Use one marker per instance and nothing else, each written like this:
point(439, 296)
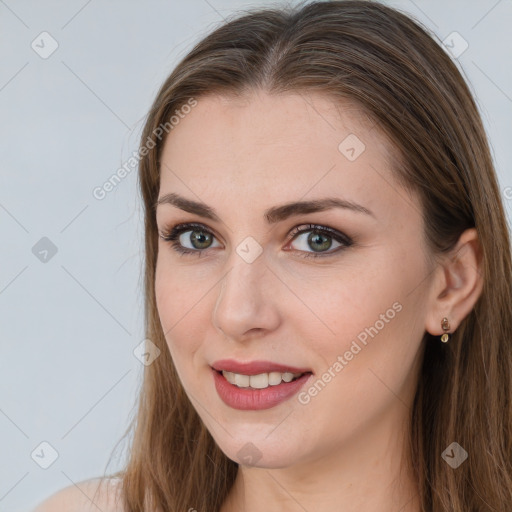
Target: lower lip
point(256, 399)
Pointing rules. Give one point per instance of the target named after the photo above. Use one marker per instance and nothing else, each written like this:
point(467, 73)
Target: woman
point(328, 277)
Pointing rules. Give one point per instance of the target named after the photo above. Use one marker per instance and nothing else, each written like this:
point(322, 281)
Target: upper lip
point(255, 367)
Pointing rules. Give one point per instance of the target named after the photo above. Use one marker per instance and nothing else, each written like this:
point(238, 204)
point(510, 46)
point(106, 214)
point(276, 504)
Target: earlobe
point(457, 286)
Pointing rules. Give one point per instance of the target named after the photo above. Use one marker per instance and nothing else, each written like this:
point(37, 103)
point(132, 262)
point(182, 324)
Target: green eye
point(320, 239)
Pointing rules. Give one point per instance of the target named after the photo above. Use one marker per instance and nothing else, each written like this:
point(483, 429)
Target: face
point(338, 292)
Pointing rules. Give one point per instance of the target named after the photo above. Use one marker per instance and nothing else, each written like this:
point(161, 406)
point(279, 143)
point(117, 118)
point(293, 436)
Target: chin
point(260, 451)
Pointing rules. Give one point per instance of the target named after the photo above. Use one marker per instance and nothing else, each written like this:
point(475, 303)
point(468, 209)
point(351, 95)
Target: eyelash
point(172, 235)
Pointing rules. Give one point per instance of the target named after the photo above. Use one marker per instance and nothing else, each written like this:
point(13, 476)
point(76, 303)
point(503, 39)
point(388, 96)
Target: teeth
point(260, 381)
point(242, 381)
point(274, 378)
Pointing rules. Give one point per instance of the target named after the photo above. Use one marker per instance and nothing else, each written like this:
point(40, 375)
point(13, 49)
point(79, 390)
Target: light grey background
point(68, 375)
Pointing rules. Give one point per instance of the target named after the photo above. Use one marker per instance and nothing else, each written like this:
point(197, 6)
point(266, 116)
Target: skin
point(242, 156)
point(346, 445)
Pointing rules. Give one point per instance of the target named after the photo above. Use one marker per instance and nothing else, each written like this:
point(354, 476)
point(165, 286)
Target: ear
point(457, 284)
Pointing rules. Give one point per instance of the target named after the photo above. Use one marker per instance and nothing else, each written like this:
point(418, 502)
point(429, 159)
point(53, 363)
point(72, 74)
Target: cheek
point(366, 312)
point(180, 309)
point(366, 355)
point(342, 303)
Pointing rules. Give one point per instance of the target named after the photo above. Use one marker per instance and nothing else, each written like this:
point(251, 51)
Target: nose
point(247, 299)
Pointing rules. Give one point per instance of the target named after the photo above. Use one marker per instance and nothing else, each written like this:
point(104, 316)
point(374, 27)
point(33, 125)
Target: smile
point(260, 393)
point(261, 380)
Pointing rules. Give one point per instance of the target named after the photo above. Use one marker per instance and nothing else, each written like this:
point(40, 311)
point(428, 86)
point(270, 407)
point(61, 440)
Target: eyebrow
point(272, 215)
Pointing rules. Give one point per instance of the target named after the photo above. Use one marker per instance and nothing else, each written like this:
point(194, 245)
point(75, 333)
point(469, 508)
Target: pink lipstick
point(250, 398)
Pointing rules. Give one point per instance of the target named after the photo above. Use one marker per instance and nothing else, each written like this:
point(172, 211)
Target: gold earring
point(446, 327)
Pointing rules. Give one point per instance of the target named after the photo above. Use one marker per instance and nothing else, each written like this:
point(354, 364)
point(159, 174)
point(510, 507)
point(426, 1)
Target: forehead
point(273, 148)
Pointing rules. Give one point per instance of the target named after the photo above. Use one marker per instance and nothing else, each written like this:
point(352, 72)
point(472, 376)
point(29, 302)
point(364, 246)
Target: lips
point(246, 399)
point(255, 367)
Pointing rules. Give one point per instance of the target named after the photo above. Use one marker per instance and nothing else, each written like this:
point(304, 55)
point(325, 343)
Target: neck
point(368, 473)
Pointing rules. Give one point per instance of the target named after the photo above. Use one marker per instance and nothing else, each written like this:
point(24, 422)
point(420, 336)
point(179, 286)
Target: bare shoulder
point(87, 496)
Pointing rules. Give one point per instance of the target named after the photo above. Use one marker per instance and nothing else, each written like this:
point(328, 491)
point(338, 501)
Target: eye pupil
point(203, 239)
point(316, 238)
point(319, 239)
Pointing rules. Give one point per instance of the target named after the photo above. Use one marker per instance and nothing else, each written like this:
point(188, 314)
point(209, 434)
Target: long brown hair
point(389, 65)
